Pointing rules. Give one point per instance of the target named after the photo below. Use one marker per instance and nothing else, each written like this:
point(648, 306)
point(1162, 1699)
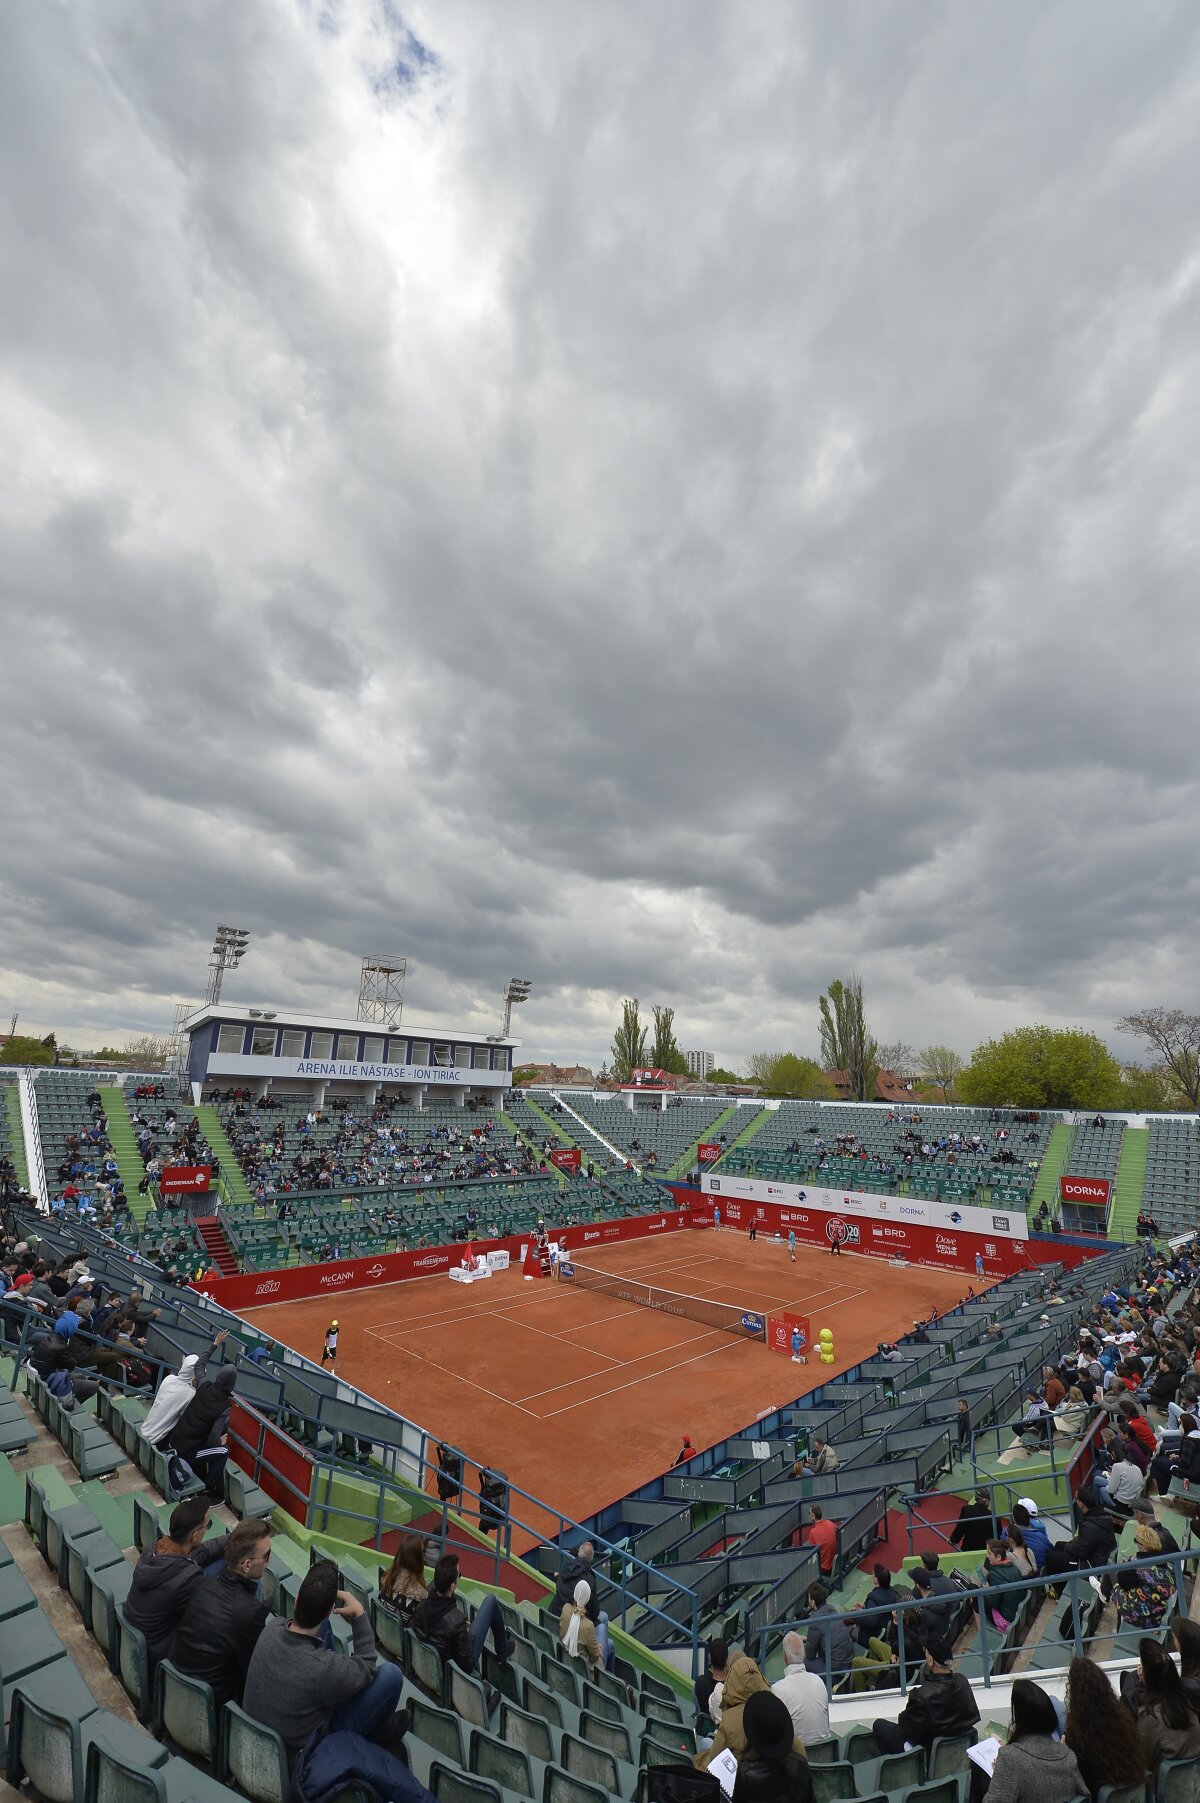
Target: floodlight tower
point(229, 948)
point(381, 990)
point(516, 993)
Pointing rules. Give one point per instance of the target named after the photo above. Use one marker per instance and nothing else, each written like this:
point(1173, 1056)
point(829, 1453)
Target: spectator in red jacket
point(824, 1536)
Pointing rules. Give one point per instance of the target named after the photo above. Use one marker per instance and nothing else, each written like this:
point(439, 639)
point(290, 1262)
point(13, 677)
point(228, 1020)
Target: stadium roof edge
point(344, 1023)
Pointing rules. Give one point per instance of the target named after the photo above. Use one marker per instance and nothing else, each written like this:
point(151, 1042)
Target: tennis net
point(746, 1323)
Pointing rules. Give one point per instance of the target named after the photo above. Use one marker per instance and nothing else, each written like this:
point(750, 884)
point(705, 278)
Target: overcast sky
point(679, 500)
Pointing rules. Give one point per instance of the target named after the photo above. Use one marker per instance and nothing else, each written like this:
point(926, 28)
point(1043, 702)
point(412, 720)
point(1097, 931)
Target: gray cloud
point(670, 502)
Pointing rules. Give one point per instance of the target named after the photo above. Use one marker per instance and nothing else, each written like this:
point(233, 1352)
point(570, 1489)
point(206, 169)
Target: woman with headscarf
point(197, 1435)
point(176, 1392)
point(578, 1633)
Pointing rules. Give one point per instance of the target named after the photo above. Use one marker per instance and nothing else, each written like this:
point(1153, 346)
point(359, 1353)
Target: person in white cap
point(175, 1393)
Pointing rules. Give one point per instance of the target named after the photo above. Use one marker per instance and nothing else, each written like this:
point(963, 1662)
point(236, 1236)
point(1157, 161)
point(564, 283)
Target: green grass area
point(1130, 1185)
point(1054, 1162)
point(753, 1125)
point(236, 1187)
point(510, 1126)
point(685, 1164)
point(124, 1145)
point(16, 1131)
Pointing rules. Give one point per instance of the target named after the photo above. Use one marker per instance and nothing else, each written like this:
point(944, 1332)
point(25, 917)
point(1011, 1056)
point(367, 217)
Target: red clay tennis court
point(579, 1397)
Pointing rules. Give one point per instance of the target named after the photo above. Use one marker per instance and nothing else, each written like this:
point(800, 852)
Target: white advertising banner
point(342, 1070)
point(910, 1210)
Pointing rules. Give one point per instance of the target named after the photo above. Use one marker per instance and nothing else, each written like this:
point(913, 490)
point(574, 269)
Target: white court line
point(447, 1371)
point(547, 1333)
point(691, 1340)
point(646, 1378)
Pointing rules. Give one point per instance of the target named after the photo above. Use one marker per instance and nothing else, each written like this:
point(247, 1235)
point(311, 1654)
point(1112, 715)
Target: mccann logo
point(334, 1279)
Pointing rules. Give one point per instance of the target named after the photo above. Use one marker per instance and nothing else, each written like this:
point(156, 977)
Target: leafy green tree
point(942, 1066)
point(723, 1076)
point(20, 1049)
point(846, 1042)
point(898, 1057)
point(1174, 1038)
point(665, 1054)
point(786, 1074)
point(1042, 1067)
point(524, 1073)
point(1148, 1091)
point(629, 1044)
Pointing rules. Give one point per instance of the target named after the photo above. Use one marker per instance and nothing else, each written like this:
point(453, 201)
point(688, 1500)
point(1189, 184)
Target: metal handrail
point(990, 1643)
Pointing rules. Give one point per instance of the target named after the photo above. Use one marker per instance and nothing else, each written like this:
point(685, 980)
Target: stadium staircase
point(219, 1250)
point(16, 1131)
point(236, 1188)
point(751, 1128)
point(1054, 1163)
point(688, 1162)
point(1130, 1185)
point(124, 1145)
point(551, 1124)
point(522, 1139)
point(591, 1136)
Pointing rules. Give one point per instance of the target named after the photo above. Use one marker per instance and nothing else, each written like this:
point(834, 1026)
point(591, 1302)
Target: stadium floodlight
point(229, 948)
point(516, 993)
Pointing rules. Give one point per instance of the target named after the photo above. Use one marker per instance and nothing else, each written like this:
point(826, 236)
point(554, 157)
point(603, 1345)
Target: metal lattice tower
point(381, 990)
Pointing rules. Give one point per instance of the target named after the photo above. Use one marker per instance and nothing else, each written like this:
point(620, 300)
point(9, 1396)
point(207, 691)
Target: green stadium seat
point(185, 1713)
point(254, 1757)
point(530, 1733)
point(561, 1787)
point(131, 1664)
point(456, 1787)
point(591, 1764)
point(467, 1697)
point(47, 1746)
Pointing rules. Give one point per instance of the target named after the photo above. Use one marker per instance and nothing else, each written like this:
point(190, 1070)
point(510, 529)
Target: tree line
point(1032, 1067)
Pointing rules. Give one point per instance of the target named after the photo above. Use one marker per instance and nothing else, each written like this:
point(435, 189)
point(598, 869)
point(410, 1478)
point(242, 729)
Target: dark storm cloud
point(674, 502)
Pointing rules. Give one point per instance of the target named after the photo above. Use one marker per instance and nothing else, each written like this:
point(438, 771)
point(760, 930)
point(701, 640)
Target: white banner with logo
point(912, 1211)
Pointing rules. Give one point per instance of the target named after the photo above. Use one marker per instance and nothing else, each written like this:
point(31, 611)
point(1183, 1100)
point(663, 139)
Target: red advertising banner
point(944, 1249)
point(567, 1158)
point(254, 1289)
point(779, 1333)
point(708, 1153)
point(1092, 1191)
point(177, 1177)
